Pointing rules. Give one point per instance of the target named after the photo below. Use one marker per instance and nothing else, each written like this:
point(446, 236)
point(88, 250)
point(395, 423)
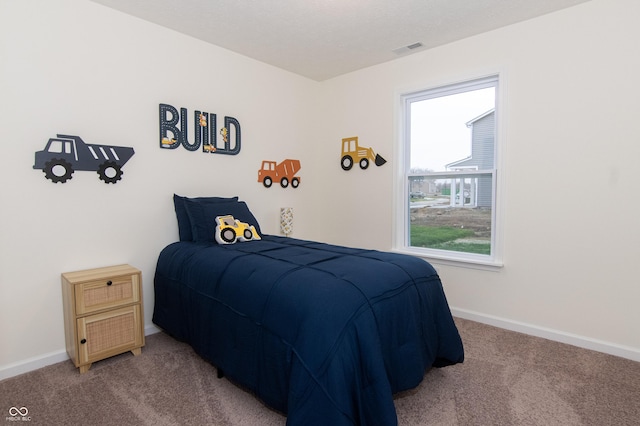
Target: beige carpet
point(507, 379)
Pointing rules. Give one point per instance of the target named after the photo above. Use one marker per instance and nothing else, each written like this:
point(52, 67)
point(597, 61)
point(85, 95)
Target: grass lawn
point(444, 238)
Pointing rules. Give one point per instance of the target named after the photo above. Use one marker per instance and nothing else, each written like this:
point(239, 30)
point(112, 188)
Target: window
point(449, 172)
point(57, 146)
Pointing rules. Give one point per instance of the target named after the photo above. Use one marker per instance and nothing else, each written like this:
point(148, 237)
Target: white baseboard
point(25, 366)
point(550, 334)
point(34, 363)
point(151, 329)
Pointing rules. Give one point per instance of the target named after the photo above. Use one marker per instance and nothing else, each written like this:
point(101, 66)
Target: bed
point(322, 333)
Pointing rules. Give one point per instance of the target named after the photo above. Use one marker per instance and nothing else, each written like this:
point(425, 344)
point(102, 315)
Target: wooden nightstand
point(103, 313)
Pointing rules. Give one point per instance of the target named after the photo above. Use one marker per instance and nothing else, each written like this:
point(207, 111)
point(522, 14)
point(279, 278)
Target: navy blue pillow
point(203, 217)
point(184, 224)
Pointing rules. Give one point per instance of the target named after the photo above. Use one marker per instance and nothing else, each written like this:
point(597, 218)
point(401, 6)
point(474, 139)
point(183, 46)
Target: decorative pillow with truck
point(229, 230)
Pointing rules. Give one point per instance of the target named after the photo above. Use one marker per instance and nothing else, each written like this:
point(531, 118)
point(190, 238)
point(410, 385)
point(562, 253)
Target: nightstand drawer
point(106, 293)
point(109, 333)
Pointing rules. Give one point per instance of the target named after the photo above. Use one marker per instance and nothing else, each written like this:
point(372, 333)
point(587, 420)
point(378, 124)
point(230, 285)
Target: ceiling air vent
point(408, 48)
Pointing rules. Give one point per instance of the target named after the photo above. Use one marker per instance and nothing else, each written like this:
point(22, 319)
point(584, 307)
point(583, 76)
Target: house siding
point(483, 141)
point(482, 156)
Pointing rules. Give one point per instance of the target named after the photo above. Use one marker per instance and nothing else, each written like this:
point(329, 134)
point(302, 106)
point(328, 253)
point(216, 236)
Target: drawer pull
point(109, 282)
point(83, 341)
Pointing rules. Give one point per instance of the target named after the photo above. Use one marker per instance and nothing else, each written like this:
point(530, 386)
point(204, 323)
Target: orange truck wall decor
point(284, 172)
point(352, 152)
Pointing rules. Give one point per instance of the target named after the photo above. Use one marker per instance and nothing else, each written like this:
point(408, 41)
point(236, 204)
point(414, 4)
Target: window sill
point(461, 260)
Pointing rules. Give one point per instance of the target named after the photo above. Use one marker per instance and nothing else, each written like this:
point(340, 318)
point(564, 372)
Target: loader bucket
point(379, 160)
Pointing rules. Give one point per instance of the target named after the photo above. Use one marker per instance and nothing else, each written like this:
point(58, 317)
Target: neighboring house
point(477, 191)
point(425, 186)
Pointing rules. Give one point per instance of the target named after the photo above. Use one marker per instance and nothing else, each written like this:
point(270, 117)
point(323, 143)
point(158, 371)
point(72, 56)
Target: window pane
point(441, 128)
point(452, 170)
point(444, 215)
point(55, 146)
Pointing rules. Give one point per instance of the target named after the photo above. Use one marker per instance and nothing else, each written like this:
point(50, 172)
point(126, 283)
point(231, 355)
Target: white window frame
point(401, 185)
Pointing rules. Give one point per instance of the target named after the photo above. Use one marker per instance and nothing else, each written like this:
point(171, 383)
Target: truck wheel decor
point(110, 172)
point(352, 152)
point(65, 153)
point(346, 162)
point(284, 172)
point(57, 170)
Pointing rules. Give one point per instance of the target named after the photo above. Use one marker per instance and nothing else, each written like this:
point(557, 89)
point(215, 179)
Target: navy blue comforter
point(322, 333)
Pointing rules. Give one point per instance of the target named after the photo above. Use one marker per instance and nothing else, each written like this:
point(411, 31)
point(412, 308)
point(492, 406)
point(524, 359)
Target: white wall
point(72, 66)
point(571, 204)
point(76, 67)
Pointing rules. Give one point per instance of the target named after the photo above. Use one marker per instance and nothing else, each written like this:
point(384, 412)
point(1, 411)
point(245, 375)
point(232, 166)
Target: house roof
point(484, 114)
point(459, 162)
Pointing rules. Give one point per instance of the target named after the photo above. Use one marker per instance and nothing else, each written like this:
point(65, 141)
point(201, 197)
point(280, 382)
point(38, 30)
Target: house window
point(449, 186)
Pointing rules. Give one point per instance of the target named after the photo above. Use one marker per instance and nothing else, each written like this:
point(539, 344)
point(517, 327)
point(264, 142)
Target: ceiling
point(321, 39)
